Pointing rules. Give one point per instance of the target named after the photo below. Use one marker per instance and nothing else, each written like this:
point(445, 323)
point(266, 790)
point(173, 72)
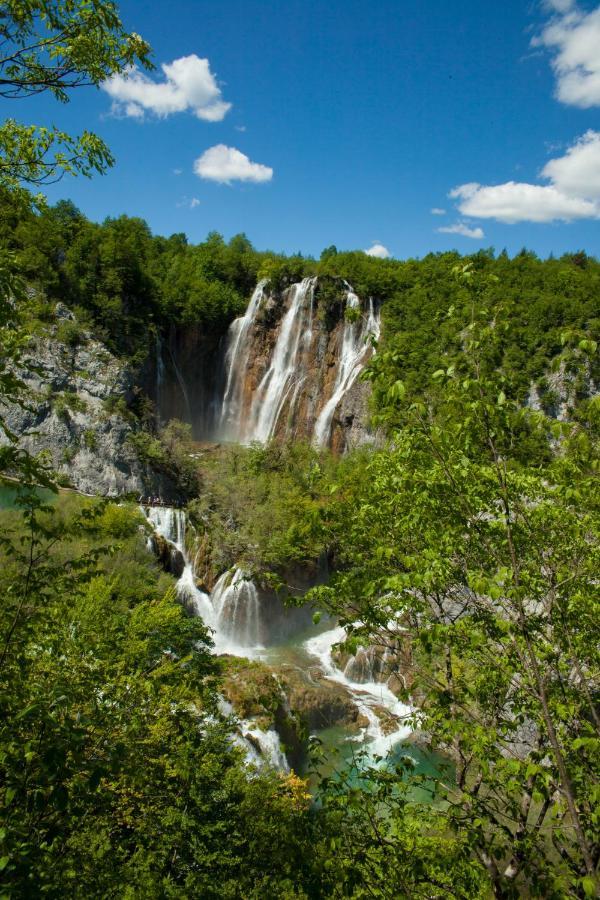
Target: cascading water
point(236, 362)
point(368, 696)
point(290, 378)
point(160, 372)
point(233, 612)
point(285, 371)
point(170, 524)
point(236, 606)
point(350, 363)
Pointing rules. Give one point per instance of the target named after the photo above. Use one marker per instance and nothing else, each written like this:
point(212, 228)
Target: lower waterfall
point(234, 613)
point(368, 695)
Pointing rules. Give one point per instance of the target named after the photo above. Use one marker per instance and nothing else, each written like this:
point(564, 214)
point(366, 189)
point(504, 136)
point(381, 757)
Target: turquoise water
point(8, 496)
point(342, 753)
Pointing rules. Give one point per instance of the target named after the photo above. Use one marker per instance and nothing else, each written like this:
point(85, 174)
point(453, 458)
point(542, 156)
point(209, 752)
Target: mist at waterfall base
point(234, 613)
point(272, 373)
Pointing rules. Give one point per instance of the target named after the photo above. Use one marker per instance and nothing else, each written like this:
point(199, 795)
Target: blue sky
point(352, 121)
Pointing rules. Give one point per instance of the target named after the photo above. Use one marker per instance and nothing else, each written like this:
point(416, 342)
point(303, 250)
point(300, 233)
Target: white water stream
point(233, 612)
point(254, 413)
point(366, 695)
point(350, 363)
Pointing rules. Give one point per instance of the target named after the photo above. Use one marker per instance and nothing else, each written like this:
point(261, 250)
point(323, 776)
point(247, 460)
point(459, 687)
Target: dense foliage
point(128, 285)
point(472, 538)
point(119, 777)
point(458, 540)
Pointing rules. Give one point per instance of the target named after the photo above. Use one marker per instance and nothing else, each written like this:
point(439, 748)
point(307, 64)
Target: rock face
point(287, 369)
point(293, 361)
point(78, 413)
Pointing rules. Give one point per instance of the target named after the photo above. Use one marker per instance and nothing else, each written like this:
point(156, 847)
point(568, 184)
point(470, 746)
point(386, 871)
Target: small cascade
point(236, 608)
point(369, 696)
point(350, 363)
point(236, 363)
point(170, 524)
point(268, 744)
point(261, 748)
point(232, 611)
point(369, 664)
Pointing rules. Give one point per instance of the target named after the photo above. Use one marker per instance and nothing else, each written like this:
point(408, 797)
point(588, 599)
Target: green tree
point(486, 563)
point(58, 46)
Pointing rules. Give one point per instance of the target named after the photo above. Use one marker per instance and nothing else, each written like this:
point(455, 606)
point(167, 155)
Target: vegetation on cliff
point(474, 533)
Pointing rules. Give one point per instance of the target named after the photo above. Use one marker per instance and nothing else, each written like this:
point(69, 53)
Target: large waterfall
point(289, 377)
point(350, 363)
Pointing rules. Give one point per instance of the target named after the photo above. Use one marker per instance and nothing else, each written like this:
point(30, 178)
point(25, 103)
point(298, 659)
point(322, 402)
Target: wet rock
point(170, 558)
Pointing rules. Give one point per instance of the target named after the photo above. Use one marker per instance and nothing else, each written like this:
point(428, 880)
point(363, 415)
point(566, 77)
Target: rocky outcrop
point(77, 414)
point(559, 392)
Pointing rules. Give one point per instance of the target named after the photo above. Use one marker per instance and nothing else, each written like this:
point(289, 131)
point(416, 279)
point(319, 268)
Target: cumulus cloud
point(189, 85)
point(378, 250)
point(436, 211)
point(573, 37)
point(573, 192)
point(577, 173)
point(226, 164)
point(464, 230)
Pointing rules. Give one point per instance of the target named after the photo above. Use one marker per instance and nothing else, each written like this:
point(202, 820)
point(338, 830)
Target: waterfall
point(160, 372)
point(284, 372)
point(260, 747)
point(289, 378)
point(232, 611)
point(170, 524)
point(368, 696)
point(236, 363)
point(236, 606)
point(182, 386)
point(350, 363)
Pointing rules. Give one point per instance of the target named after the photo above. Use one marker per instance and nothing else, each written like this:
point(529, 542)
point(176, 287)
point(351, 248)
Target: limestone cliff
point(292, 366)
point(77, 414)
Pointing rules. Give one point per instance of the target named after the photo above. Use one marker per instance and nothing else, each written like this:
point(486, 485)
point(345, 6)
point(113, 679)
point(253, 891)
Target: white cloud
point(378, 250)
point(577, 173)
point(561, 6)
point(436, 211)
point(573, 192)
point(194, 202)
point(189, 85)
point(177, 171)
point(464, 230)
point(574, 38)
point(226, 164)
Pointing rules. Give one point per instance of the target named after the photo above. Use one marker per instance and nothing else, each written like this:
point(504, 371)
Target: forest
point(456, 548)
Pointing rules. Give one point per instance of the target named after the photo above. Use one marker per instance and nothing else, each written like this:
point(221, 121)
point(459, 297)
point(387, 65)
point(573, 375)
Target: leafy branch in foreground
point(489, 566)
point(57, 46)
